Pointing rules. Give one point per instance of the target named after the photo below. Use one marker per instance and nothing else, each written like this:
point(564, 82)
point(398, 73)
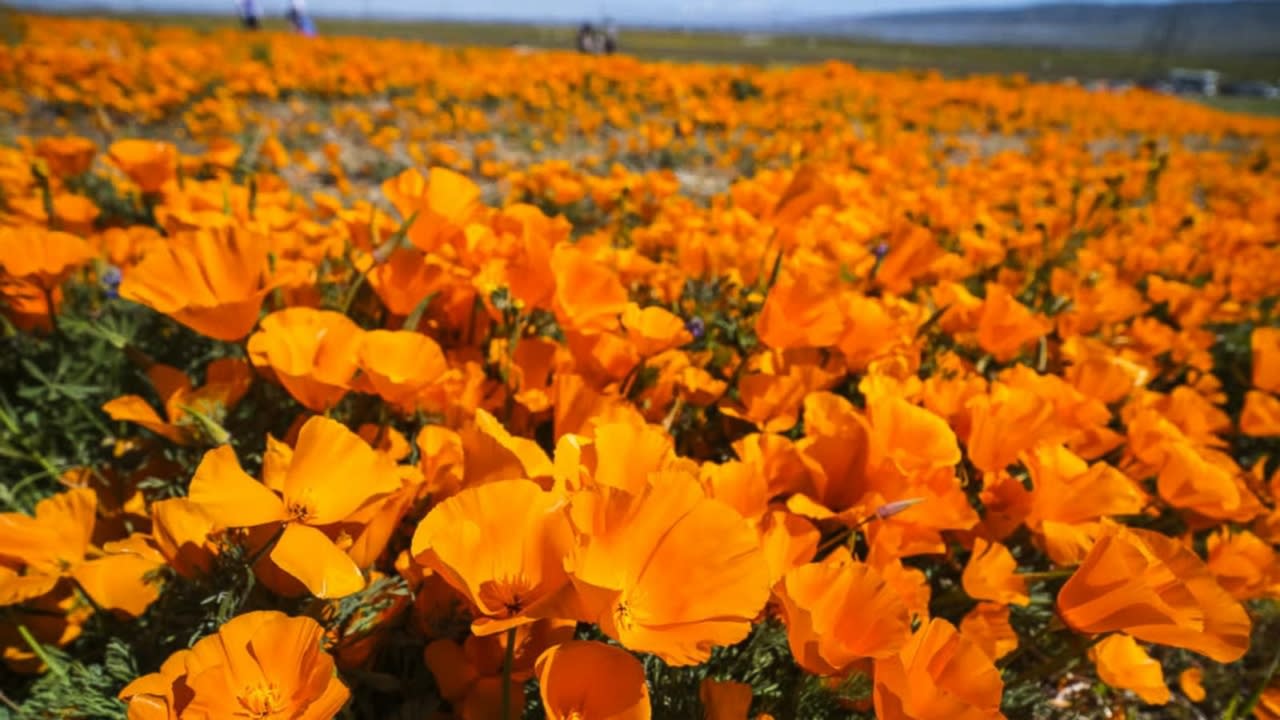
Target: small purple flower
point(880, 250)
point(111, 281)
point(696, 327)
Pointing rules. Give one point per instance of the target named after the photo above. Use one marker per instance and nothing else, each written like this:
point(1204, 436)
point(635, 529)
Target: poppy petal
point(310, 556)
point(229, 496)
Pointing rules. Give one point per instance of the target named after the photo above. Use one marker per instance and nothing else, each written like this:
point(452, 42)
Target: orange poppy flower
point(1003, 424)
point(836, 454)
point(68, 156)
point(492, 453)
point(987, 624)
point(315, 492)
point(156, 696)
point(1005, 325)
point(75, 213)
point(912, 438)
point(724, 700)
point(150, 164)
point(1070, 495)
point(839, 611)
point(624, 454)
point(181, 532)
point(118, 579)
point(872, 331)
point(787, 541)
point(406, 279)
point(737, 485)
point(1261, 415)
point(909, 255)
point(589, 297)
point(581, 680)
point(603, 357)
point(653, 330)
point(1153, 588)
point(938, 674)
point(370, 529)
point(1268, 707)
point(667, 571)
point(532, 371)
point(42, 257)
point(444, 203)
point(502, 545)
point(191, 413)
point(28, 306)
point(1206, 481)
point(798, 314)
point(264, 664)
point(777, 459)
point(576, 407)
point(1245, 565)
point(991, 575)
point(1190, 682)
point(57, 543)
point(1100, 373)
point(469, 674)
point(807, 191)
point(313, 353)
point(441, 459)
point(1122, 663)
point(528, 274)
point(1265, 343)
point(47, 546)
point(772, 402)
point(399, 364)
point(213, 284)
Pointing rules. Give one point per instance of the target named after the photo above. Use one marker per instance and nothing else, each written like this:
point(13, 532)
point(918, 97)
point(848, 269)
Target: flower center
point(510, 596)
point(261, 702)
point(622, 616)
point(300, 508)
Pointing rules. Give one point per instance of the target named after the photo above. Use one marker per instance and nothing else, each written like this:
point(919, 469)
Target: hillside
point(1243, 27)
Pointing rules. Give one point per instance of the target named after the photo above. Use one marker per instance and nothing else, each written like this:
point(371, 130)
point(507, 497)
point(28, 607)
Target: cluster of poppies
point(938, 386)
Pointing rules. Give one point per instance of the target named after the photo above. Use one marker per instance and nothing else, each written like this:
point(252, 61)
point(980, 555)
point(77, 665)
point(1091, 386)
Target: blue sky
point(654, 11)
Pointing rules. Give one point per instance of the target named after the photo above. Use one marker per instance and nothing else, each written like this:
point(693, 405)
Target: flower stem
point(1256, 696)
point(507, 661)
point(52, 310)
point(1047, 575)
point(40, 652)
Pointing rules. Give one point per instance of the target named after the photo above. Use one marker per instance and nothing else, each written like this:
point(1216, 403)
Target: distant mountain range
point(1239, 27)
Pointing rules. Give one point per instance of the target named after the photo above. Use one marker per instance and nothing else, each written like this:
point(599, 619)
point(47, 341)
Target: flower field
point(359, 378)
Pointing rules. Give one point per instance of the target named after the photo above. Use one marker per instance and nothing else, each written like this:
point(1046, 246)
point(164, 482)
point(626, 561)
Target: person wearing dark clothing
point(298, 17)
point(250, 14)
point(586, 39)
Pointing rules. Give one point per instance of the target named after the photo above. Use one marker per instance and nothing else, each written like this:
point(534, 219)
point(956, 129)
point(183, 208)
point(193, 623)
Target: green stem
point(1048, 575)
point(351, 294)
point(1256, 696)
point(848, 534)
point(834, 542)
point(630, 379)
point(40, 652)
point(53, 313)
point(507, 661)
